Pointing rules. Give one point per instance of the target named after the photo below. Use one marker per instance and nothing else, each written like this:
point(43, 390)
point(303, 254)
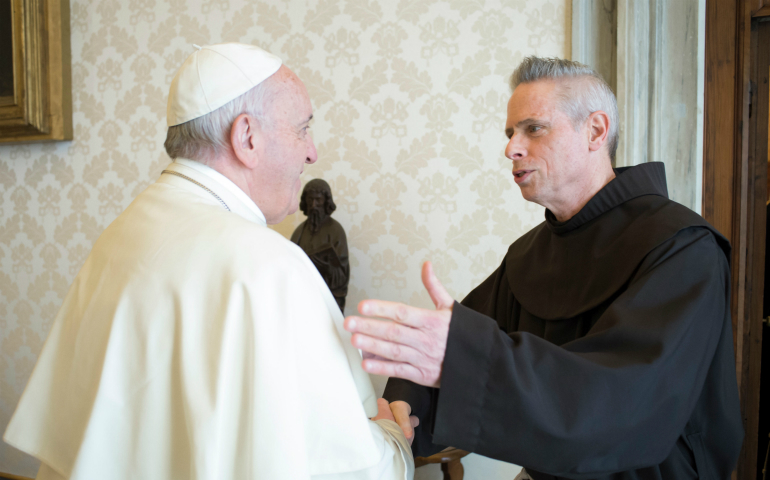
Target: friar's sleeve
point(614, 400)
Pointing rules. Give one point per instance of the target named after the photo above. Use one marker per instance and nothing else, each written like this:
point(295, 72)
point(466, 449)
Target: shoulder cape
point(558, 270)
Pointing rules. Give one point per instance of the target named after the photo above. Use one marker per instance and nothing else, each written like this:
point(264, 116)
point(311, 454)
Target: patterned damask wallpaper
point(409, 99)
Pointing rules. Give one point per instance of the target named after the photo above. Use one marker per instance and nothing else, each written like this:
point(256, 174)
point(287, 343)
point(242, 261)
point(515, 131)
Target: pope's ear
point(598, 130)
point(246, 138)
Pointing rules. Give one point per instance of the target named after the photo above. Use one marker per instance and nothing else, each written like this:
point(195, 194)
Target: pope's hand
point(401, 411)
point(413, 345)
point(383, 411)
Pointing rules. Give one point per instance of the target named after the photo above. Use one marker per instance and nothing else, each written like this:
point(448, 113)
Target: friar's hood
point(602, 244)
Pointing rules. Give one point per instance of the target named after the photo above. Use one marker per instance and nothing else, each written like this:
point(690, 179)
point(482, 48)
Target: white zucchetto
point(213, 76)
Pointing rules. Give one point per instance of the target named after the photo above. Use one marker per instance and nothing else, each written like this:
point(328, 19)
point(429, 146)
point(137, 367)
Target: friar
point(323, 238)
point(602, 346)
point(181, 351)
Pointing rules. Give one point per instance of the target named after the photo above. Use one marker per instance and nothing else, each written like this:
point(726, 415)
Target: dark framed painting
point(6, 53)
point(35, 78)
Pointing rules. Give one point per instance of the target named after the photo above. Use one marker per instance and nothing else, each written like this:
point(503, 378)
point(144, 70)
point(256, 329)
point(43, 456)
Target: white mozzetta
point(196, 343)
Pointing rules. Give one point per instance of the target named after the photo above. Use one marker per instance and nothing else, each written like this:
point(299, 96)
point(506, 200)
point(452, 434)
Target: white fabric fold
point(196, 343)
point(221, 180)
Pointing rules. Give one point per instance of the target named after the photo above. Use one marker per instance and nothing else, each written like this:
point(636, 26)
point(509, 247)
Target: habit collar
point(629, 183)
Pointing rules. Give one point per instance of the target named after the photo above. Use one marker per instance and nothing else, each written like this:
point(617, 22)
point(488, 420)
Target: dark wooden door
point(760, 8)
point(735, 181)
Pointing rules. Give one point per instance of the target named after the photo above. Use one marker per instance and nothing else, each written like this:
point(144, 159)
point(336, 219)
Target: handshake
point(399, 412)
point(410, 344)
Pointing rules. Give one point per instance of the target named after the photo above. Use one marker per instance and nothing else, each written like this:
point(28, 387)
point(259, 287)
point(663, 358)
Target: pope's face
point(288, 147)
point(549, 155)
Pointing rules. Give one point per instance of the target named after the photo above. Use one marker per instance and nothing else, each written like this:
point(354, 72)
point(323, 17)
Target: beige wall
point(409, 98)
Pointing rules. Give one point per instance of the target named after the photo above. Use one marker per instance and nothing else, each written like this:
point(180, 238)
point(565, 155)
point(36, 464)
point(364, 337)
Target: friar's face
point(549, 154)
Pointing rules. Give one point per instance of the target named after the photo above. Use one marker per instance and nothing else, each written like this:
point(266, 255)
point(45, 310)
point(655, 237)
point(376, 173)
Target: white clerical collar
point(226, 183)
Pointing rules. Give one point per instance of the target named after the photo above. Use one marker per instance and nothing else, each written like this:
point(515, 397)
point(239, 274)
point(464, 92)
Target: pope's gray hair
point(207, 136)
point(578, 99)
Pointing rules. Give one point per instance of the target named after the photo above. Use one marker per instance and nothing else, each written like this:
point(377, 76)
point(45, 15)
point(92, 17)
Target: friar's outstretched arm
point(591, 407)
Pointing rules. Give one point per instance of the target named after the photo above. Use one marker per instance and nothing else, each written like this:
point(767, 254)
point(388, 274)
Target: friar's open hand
point(413, 345)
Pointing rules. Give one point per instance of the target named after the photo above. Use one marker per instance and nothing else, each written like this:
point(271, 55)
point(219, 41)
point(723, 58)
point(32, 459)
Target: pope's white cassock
point(196, 343)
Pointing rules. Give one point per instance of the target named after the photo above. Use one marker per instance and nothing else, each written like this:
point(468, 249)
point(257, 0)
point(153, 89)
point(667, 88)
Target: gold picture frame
point(35, 71)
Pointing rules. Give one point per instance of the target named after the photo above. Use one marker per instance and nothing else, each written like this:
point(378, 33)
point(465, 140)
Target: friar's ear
point(246, 140)
point(598, 130)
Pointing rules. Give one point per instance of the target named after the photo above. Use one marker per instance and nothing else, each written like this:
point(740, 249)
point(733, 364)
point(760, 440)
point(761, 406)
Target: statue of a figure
point(323, 238)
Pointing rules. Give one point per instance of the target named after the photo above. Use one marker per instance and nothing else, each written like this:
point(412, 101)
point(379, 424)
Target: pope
point(195, 342)
point(601, 348)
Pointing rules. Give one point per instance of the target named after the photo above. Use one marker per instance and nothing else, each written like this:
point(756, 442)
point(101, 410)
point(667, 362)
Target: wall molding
point(656, 67)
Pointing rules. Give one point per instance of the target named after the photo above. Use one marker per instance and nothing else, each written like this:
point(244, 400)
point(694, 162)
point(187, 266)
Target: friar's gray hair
point(578, 99)
point(207, 136)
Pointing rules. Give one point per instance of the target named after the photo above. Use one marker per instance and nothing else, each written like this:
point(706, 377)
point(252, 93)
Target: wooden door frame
point(735, 190)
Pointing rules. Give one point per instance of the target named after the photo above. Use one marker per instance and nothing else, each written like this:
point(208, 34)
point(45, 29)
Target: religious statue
point(323, 238)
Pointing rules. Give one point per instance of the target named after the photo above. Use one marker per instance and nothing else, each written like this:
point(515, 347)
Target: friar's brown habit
point(600, 348)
